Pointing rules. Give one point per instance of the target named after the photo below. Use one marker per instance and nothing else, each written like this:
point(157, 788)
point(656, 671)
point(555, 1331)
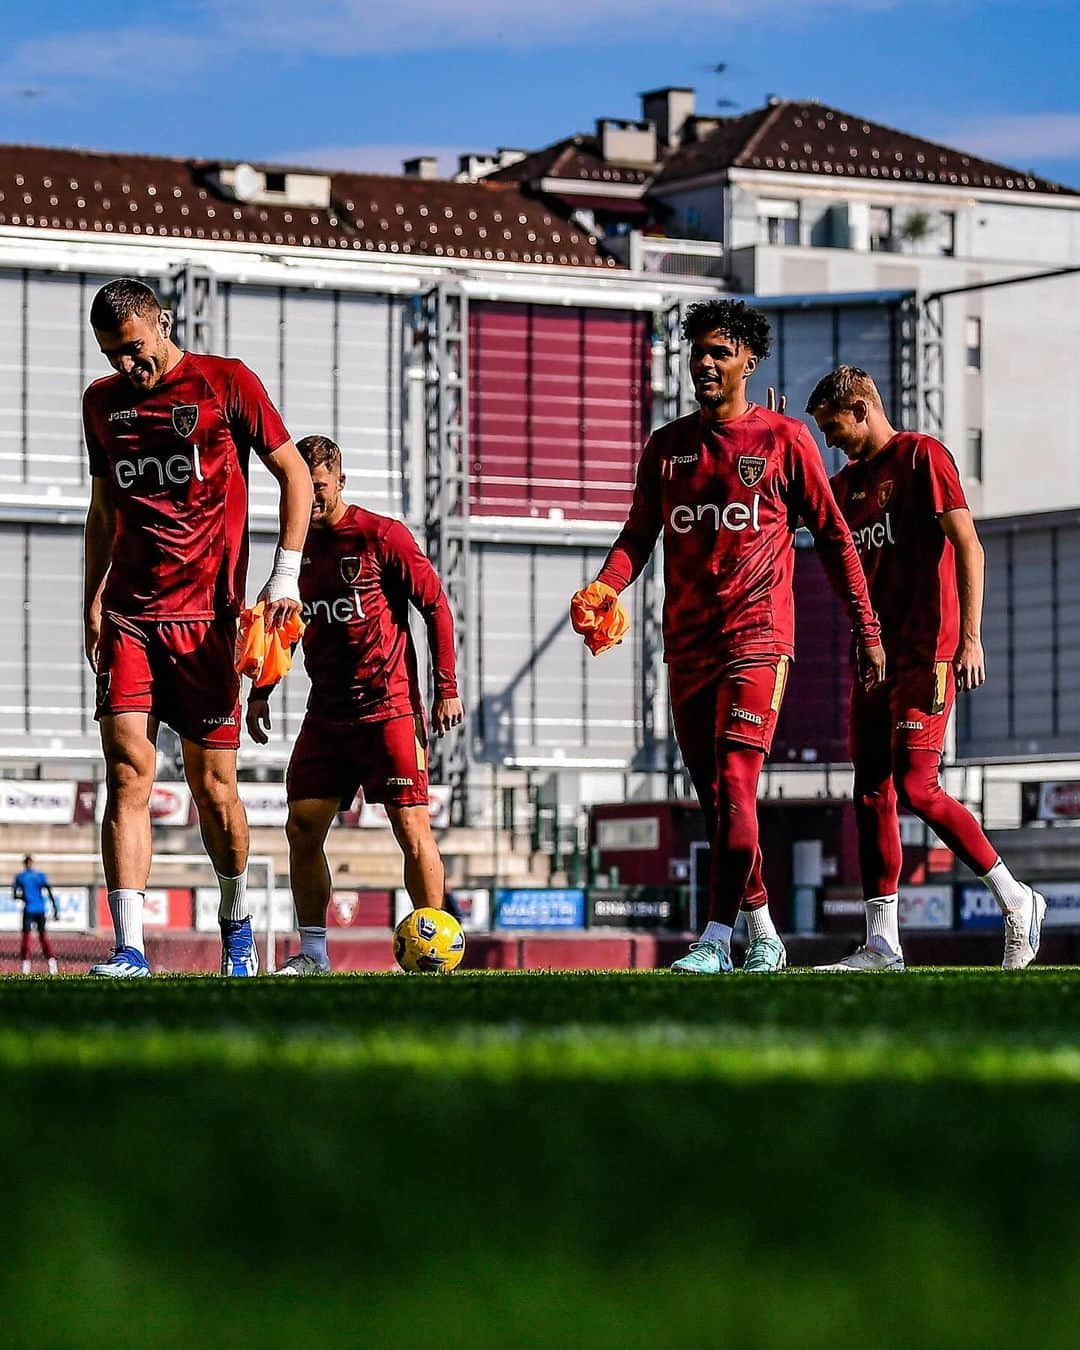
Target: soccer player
point(727, 486)
point(364, 726)
point(902, 497)
point(31, 887)
point(168, 437)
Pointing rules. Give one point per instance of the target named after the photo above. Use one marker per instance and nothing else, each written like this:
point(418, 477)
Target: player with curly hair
point(727, 486)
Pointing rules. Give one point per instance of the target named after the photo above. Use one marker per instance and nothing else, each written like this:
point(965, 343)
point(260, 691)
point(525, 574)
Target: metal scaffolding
point(444, 320)
point(660, 751)
point(932, 365)
point(194, 307)
point(907, 361)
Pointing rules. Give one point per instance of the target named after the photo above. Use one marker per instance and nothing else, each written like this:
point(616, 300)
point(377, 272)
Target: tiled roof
point(576, 157)
point(811, 138)
point(102, 193)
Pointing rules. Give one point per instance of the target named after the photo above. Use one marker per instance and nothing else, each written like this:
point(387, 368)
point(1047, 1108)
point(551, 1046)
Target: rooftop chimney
point(626, 142)
point(423, 166)
point(668, 109)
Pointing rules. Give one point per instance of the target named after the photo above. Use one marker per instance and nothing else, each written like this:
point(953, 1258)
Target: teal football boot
point(704, 958)
point(764, 956)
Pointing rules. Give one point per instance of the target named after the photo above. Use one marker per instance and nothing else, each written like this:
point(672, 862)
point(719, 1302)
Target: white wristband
point(284, 583)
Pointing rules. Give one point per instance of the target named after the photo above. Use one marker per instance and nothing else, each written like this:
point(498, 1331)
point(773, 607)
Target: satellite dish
point(247, 182)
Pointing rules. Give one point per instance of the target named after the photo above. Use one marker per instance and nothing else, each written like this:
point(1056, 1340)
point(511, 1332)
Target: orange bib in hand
point(265, 657)
point(596, 614)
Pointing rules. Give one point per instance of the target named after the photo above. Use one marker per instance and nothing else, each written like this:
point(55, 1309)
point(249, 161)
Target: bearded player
point(727, 487)
point(902, 496)
point(364, 727)
point(169, 437)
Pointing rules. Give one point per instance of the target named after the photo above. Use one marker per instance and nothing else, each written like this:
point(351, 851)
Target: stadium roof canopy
point(123, 194)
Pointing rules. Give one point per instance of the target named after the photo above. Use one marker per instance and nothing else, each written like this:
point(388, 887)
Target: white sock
point(313, 943)
point(233, 903)
point(126, 908)
point(717, 932)
point(1007, 891)
point(759, 923)
point(883, 924)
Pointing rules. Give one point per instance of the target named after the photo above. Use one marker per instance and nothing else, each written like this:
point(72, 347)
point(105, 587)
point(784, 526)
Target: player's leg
point(46, 946)
point(925, 701)
point(693, 712)
point(198, 692)
point(877, 821)
point(309, 876)
point(322, 778)
point(742, 707)
point(24, 942)
point(425, 877)
point(211, 775)
point(392, 759)
point(130, 760)
point(754, 682)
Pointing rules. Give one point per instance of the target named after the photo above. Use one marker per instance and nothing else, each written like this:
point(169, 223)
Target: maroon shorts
point(183, 673)
point(388, 760)
point(911, 709)
point(739, 704)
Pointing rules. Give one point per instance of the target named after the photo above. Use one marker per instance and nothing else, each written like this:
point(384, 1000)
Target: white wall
point(1026, 399)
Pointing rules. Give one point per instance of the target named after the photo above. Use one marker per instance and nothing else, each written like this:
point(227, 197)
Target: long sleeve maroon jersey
point(357, 581)
point(176, 459)
point(728, 498)
point(892, 502)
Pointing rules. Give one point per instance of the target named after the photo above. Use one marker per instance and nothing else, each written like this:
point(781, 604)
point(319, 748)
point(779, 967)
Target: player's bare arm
point(97, 550)
point(281, 594)
point(969, 663)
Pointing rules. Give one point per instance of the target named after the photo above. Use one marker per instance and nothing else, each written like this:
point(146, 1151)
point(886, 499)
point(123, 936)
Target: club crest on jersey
point(185, 418)
point(350, 571)
point(884, 492)
point(751, 469)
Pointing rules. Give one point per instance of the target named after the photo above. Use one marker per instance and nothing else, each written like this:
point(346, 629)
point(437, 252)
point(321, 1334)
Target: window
point(973, 342)
point(275, 182)
point(947, 233)
point(881, 229)
point(975, 454)
point(779, 219)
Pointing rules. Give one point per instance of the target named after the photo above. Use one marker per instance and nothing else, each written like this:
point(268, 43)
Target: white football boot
point(302, 964)
point(1023, 932)
point(866, 959)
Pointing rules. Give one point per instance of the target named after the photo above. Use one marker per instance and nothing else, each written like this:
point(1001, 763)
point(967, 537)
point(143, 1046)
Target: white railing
point(655, 255)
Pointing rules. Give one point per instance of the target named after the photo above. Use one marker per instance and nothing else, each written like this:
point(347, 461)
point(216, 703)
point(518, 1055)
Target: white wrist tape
point(284, 583)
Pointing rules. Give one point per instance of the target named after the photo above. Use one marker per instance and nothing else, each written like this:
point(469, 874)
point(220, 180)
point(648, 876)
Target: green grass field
point(619, 1160)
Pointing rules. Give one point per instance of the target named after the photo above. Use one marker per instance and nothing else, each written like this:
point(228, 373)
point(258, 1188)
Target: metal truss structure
point(194, 307)
point(444, 323)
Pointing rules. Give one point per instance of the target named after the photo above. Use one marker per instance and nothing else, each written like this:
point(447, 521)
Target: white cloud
point(370, 158)
point(133, 55)
point(349, 27)
point(1020, 139)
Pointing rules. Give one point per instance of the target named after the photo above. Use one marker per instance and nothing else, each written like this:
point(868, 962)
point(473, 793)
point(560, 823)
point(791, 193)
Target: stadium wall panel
point(534, 689)
point(331, 361)
point(1030, 704)
point(559, 409)
point(47, 358)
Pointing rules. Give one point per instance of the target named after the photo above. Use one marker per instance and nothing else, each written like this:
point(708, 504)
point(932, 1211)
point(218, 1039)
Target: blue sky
point(357, 84)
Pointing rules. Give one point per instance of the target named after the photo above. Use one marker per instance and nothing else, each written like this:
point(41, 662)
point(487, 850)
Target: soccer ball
point(430, 940)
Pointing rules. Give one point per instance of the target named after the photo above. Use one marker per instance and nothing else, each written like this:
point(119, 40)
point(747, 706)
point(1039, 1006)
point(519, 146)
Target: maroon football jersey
point(892, 502)
point(728, 498)
point(176, 458)
point(357, 580)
